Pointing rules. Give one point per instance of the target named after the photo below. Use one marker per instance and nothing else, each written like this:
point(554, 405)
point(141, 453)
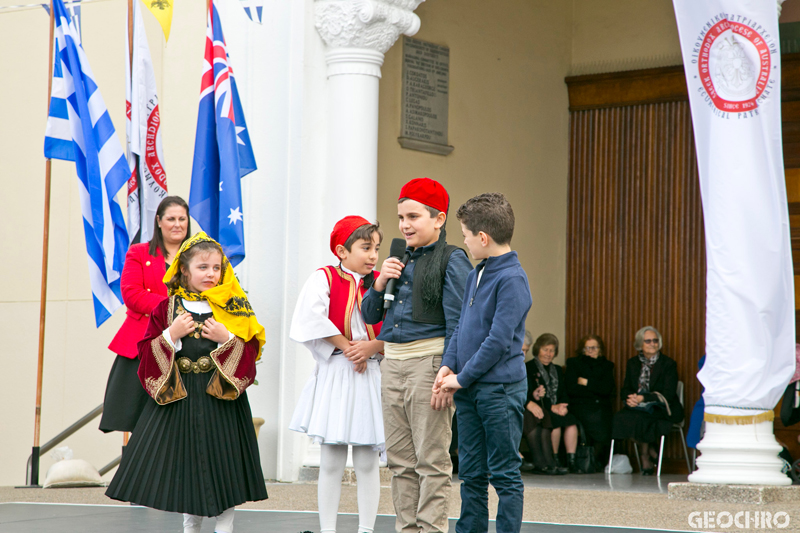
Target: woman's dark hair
point(157, 242)
point(179, 279)
point(600, 344)
point(545, 339)
point(431, 274)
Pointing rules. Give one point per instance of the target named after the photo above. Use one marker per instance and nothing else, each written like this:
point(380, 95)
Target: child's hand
point(437, 383)
point(450, 383)
point(360, 367)
point(441, 400)
point(215, 331)
point(391, 269)
point(360, 351)
point(181, 326)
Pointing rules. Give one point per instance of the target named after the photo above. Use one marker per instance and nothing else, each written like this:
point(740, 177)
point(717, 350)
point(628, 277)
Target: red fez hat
point(427, 192)
point(344, 228)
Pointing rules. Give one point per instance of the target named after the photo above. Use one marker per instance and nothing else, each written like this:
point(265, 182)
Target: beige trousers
point(417, 444)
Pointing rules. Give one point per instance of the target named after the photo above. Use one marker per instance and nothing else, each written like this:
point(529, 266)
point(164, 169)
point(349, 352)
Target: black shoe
point(550, 471)
point(527, 467)
point(573, 466)
point(648, 471)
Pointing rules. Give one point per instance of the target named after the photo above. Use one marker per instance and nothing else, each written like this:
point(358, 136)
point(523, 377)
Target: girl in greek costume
point(194, 448)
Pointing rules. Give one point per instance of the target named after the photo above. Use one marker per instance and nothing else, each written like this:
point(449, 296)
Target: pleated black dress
point(198, 455)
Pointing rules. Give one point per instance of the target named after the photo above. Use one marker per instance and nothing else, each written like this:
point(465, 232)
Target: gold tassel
point(767, 416)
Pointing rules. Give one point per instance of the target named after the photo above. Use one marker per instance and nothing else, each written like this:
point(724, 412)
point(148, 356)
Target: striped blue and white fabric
point(79, 129)
point(254, 9)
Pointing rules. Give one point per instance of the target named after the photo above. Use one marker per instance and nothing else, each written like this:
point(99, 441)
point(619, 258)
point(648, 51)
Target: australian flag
point(222, 150)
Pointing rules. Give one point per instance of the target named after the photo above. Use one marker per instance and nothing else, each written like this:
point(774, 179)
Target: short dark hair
point(157, 241)
point(490, 213)
point(179, 279)
point(364, 232)
point(600, 344)
point(545, 339)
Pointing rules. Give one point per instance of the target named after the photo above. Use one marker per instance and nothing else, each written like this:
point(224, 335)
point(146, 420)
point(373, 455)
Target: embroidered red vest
point(345, 300)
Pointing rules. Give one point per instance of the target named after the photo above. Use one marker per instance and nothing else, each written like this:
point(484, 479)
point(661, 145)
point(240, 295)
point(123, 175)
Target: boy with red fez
point(340, 405)
point(416, 331)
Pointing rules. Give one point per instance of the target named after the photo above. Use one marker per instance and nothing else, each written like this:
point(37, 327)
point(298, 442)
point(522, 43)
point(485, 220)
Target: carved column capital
point(365, 24)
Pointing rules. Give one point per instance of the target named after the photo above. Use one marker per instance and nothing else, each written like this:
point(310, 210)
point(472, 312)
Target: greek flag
point(79, 129)
point(253, 8)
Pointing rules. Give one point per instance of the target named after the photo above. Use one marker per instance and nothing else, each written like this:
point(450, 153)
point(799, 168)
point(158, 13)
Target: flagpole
point(34, 474)
point(126, 434)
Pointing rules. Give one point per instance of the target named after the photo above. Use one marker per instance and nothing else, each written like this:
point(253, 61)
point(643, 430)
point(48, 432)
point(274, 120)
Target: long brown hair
point(157, 242)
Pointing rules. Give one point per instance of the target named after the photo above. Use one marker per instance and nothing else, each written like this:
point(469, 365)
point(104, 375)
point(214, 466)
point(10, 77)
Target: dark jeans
point(489, 431)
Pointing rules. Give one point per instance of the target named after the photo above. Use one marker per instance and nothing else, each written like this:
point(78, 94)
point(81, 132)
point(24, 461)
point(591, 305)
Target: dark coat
point(600, 386)
point(535, 379)
point(592, 403)
point(663, 379)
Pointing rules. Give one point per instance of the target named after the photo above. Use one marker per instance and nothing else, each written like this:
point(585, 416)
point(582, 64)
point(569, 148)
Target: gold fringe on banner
point(767, 416)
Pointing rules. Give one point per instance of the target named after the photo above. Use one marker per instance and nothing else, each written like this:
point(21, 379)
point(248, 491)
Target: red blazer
point(142, 289)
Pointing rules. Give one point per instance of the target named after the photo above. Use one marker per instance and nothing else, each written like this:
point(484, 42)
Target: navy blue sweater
point(487, 344)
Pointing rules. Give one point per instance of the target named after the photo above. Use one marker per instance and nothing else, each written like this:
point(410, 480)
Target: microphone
point(398, 250)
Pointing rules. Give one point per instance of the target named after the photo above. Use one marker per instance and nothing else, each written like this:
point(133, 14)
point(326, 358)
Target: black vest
point(418, 311)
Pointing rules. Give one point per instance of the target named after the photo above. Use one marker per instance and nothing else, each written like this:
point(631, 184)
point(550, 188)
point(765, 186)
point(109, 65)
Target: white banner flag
point(733, 72)
point(148, 183)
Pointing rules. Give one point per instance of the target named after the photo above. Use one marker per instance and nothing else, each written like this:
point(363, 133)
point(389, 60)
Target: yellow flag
point(162, 10)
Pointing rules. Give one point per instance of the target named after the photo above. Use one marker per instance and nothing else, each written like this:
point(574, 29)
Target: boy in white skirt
point(340, 405)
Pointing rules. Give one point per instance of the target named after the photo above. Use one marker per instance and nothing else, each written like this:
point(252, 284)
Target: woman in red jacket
point(142, 289)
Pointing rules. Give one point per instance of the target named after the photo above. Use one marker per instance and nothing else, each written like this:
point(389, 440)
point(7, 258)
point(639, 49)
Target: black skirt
point(563, 421)
point(198, 455)
point(125, 397)
point(640, 425)
point(595, 419)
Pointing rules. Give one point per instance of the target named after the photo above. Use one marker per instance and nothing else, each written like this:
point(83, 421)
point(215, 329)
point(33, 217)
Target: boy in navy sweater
point(484, 364)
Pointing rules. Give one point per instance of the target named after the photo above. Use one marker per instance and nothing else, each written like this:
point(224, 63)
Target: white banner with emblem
point(731, 57)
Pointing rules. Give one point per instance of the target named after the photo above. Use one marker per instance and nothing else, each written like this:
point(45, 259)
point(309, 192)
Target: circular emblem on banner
point(734, 66)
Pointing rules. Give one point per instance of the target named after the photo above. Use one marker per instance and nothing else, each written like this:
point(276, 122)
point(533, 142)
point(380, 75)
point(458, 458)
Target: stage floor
point(68, 518)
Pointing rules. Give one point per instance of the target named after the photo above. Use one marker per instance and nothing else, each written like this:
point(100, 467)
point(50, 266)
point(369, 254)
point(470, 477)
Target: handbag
point(585, 460)
point(789, 413)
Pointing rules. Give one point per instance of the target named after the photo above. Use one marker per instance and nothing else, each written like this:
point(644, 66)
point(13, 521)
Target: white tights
point(192, 523)
point(329, 489)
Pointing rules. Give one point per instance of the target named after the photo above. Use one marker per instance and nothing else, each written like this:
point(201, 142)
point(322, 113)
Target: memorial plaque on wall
point(426, 80)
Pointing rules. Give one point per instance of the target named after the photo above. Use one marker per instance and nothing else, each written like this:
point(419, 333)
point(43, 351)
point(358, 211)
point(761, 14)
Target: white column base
point(739, 455)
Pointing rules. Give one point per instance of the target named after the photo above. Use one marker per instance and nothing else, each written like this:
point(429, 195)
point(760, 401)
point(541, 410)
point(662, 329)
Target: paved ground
point(50, 517)
point(542, 505)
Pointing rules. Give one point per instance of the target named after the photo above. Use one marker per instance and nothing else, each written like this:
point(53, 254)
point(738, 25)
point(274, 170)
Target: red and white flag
point(732, 60)
point(147, 185)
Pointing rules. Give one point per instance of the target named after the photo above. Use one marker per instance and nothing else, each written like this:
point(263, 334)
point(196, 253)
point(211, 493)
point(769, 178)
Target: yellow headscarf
point(227, 300)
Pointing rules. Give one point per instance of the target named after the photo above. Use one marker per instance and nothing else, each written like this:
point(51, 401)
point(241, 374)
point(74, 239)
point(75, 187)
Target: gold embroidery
point(238, 306)
point(228, 369)
point(352, 297)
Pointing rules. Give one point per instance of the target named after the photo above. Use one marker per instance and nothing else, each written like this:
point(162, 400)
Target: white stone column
point(739, 454)
point(357, 33)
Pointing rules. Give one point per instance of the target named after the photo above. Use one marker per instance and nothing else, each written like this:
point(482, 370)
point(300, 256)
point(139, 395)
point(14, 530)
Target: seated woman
point(590, 386)
point(546, 381)
point(650, 396)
